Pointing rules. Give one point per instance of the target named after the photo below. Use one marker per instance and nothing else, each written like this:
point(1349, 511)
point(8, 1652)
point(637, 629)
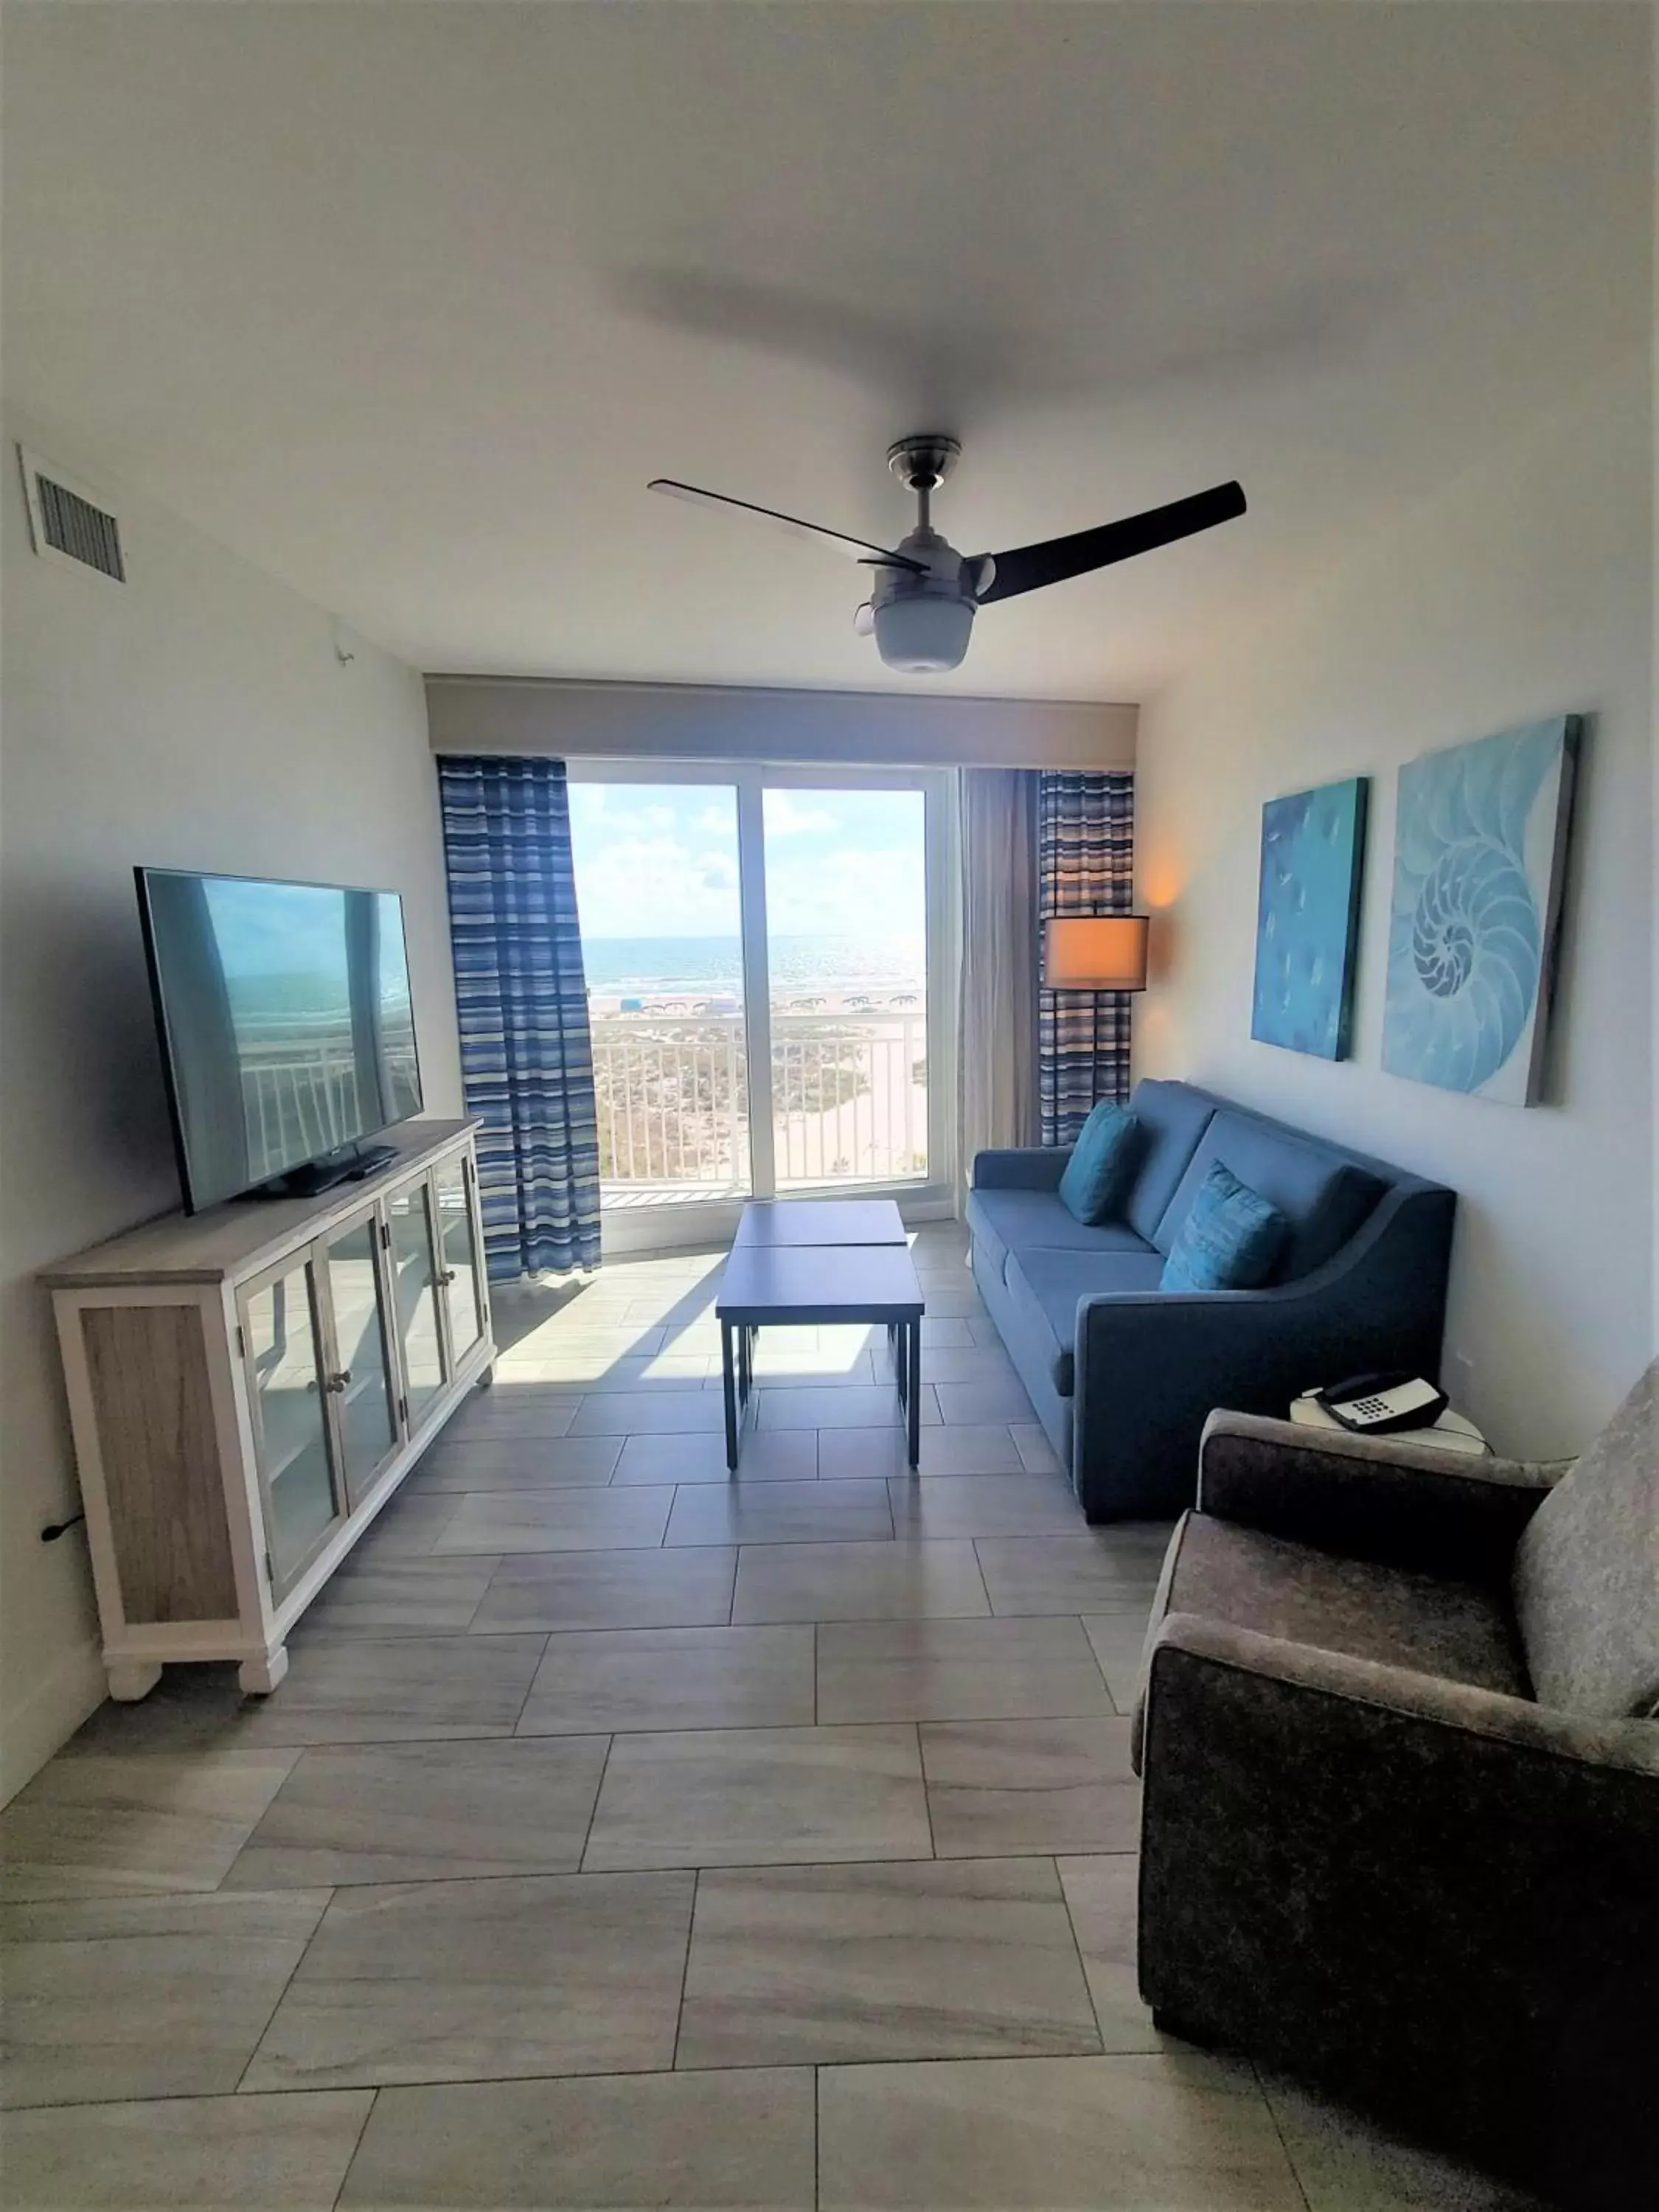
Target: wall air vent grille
point(68, 523)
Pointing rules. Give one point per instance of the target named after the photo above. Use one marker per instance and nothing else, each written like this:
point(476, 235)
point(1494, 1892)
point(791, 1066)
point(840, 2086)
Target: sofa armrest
point(1416, 1893)
point(1030, 1167)
point(1152, 1365)
point(1369, 1498)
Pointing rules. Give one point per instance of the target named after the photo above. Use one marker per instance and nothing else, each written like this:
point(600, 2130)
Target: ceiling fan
point(926, 594)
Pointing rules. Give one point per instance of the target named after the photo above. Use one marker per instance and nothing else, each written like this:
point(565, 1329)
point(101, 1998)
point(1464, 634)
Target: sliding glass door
point(657, 893)
point(846, 961)
point(763, 950)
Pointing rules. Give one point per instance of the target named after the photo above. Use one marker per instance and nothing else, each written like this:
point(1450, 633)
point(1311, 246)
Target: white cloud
point(650, 869)
point(854, 891)
point(787, 818)
point(656, 887)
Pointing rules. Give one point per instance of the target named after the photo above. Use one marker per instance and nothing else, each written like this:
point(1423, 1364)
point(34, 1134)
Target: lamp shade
point(922, 633)
point(1095, 952)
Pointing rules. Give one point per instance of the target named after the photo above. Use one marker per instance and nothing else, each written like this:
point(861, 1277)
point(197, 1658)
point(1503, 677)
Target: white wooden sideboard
point(249, 1385)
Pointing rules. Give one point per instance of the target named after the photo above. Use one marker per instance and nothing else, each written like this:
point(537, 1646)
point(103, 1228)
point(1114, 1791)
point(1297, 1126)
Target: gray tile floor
point(624, 1835)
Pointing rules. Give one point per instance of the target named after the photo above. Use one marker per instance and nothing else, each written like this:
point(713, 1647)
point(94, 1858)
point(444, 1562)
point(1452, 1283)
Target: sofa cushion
point(1229, 1241)
point(1043, 1288)
point(1587, 1572)
point(1004, 1221)
point(1169, 1119)
point(1322, 1194)
point(1102, 1162)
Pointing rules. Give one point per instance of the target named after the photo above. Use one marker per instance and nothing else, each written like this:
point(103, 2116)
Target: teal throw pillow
point(1103, 1159)
point(1229, 1241)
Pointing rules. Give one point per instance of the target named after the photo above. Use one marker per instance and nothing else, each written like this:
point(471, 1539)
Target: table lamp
point(1095, 952)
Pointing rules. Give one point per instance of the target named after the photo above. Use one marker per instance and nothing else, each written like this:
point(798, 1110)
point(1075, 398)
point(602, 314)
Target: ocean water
point(715, 965)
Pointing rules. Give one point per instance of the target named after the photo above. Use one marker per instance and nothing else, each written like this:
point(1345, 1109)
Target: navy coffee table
point(774, 1284)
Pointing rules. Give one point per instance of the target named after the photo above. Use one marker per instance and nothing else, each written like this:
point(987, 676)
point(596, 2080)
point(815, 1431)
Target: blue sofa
point(1122, 1374)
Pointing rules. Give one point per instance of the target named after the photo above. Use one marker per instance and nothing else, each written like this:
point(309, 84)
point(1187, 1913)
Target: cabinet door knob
point(340, 1381)
point(448, 1276)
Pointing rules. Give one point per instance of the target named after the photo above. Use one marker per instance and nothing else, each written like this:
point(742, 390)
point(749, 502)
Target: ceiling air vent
point(67, 522)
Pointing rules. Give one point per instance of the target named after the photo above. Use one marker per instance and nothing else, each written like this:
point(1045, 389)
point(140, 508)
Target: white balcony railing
point(300, 1095)
point(849, 1101)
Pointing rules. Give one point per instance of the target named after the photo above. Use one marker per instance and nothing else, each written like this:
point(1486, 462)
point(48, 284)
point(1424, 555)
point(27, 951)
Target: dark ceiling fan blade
point(859, 548)
point(1029, 568)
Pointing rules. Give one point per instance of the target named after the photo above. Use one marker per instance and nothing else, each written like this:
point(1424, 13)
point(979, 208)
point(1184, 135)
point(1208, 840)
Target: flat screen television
point(287, 1036)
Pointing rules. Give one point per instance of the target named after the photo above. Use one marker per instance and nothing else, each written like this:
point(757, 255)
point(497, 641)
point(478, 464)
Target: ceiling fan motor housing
point(923, 621)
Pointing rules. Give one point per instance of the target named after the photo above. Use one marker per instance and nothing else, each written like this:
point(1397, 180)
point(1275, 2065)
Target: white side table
point(1452, 1432)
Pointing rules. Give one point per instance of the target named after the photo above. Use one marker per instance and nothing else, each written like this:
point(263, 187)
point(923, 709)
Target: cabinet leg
point(130, 1680)
point(487, 1378)
point(258, 1678)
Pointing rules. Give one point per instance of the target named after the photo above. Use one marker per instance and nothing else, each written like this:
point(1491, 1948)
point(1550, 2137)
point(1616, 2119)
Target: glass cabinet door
point(463, 1272)
point(302, 1494)
point(415, 1271)
point(360, 1355)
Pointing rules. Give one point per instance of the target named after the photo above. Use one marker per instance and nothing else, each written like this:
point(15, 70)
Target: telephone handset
point(1376, 1405)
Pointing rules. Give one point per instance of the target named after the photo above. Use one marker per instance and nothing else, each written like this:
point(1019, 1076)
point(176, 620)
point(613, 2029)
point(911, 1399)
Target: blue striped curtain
point(521, 997)
point(1086, 864)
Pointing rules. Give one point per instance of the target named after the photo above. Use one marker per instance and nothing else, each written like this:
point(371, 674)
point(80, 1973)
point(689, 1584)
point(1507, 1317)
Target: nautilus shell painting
point(1307, 918)
point(1479, 846)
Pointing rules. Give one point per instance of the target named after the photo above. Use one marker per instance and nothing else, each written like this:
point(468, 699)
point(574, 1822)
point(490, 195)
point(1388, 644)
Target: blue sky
point(297, 929)
point(661, 860)
point(278, 929)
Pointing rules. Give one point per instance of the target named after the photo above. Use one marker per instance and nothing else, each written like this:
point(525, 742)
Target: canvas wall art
point(1479, 850)
point(1307, 920)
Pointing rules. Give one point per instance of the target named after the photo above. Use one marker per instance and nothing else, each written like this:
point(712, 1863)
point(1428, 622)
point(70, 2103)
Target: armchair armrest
point(1370, 1497)
point(1627, 1748)
point(1416, 1893)
point(1029, 1167)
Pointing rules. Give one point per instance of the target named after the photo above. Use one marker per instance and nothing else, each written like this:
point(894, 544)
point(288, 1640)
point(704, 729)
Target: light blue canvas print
point(1307, 918)
point(1480, 843)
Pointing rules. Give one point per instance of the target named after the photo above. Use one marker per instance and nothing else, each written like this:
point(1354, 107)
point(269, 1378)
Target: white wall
point(1525, 590)
point(198, 717)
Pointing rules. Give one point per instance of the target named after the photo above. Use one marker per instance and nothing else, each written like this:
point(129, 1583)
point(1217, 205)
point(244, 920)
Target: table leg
point(729, 1381)
point(913, 1395)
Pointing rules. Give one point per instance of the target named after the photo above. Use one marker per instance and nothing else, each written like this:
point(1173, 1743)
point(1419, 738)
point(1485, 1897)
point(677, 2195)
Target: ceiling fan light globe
point(924, 635)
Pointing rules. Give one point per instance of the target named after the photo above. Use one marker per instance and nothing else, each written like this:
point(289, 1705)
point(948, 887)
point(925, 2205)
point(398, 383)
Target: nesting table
point(820, 1221)
point(795, 1261)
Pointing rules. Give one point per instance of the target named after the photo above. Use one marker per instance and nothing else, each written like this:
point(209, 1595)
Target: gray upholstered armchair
point(1399, 1744)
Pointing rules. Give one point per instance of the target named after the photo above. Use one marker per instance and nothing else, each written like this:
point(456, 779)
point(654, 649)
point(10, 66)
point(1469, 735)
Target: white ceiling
point(405, 303)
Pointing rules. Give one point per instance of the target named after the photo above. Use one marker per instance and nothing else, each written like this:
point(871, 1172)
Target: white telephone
point(1374, 1405)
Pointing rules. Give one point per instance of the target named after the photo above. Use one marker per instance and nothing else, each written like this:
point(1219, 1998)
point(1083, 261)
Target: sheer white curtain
point(996, 1081)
